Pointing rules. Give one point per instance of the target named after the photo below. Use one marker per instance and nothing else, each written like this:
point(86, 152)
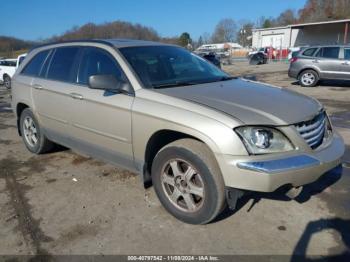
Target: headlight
point(263, 140)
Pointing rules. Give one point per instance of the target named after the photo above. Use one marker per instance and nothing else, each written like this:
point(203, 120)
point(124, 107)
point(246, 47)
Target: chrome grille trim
point(313, 130)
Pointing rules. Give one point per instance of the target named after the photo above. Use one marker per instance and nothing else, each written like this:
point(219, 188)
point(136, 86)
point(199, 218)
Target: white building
point(320, 33)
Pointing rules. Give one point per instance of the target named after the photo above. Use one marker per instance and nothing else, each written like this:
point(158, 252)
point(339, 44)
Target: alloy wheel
point(183, 185)
point(308, 79)
point(30, 131)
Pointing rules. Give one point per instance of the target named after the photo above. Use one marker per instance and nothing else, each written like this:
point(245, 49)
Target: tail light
point(294, 59)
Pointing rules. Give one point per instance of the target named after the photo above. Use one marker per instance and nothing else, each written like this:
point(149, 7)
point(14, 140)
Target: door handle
point(345, 63)
point(36, 86)
point(315, 61)
point(76, 96)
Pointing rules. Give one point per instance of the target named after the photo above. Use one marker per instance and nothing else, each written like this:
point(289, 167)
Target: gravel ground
point(65, 203)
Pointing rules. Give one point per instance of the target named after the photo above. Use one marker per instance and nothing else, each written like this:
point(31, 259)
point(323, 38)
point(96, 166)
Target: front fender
point(149, 117)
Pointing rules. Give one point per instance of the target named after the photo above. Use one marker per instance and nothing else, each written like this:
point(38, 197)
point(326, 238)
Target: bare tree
point(244, 32)
point(322, 10)
point(225, 31)
point(287, 17)
point(206, 38)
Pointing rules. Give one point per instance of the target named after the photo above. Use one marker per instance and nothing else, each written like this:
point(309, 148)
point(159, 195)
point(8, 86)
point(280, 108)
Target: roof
point(322, 23)
point(116, 42)
point(305, 24)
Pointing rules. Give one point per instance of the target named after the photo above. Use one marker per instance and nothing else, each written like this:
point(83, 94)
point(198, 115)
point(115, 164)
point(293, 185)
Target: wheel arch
point(157, 141)
point(19, 109)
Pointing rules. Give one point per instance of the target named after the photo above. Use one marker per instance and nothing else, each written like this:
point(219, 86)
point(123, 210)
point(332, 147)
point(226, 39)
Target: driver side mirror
point(109, 83)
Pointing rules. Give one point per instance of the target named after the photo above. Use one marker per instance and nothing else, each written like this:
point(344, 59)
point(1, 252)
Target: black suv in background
point(211, 57)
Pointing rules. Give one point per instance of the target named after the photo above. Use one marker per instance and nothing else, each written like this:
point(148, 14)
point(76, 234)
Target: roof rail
point(100, 41)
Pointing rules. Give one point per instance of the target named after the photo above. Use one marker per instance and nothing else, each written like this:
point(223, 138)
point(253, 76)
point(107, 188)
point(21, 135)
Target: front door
point(101, 121)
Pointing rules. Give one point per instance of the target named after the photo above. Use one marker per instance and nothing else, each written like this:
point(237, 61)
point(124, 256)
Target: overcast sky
point(35, 19)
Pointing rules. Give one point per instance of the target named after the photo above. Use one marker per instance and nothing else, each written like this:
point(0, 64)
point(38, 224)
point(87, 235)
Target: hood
point(251, 102)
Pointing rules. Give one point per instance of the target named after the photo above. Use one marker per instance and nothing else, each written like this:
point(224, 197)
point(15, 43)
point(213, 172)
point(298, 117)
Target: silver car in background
point(320, 62)
point(200, 136)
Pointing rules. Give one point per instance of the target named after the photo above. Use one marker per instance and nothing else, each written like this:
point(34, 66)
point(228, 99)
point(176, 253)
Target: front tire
point(308, 78)
point(188, 181)
point(7, 82)
point(32, 135)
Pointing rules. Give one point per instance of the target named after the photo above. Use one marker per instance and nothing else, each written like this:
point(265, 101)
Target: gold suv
point(199, 135)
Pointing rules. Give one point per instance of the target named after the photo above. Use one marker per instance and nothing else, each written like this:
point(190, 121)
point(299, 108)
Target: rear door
point(345, 66)
point(328, 61)
point(52, 92)
point(101, 120)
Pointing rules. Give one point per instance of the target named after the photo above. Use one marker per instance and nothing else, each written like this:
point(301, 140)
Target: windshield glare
point(165, 66)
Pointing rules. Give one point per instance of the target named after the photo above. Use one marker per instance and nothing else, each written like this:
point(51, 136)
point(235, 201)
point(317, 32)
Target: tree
point(116, 29)
point(185, 39)
point(200, 41)
point(244, 33)
point(225, 31)
point(206, 38)
point(287, 17)
point(322, 10)
point(267, 23)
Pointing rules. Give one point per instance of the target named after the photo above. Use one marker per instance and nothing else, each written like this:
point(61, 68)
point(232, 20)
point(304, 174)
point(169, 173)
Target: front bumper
point(266, 173)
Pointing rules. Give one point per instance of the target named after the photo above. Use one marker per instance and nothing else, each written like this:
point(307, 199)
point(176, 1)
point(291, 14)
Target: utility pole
point(243, 32)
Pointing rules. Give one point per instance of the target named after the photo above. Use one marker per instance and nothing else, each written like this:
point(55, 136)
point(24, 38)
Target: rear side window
point(96, 61)
point(309, 52)
point(33, 68)
point(62, 65)
point(347, 53)
point(329, 52)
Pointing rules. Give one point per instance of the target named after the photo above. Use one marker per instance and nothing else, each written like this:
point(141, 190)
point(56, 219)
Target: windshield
point(168, 66)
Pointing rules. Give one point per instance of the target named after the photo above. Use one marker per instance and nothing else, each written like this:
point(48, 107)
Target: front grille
point(313, 130)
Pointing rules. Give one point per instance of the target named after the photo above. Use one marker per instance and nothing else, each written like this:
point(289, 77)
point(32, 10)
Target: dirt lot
point(64, 203)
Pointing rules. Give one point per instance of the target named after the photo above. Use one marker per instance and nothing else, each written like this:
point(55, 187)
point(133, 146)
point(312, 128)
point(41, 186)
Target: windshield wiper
point(226, 78)
point(174, 84)
point(188, 83)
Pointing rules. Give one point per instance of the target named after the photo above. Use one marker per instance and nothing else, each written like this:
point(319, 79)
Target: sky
point(40, 19)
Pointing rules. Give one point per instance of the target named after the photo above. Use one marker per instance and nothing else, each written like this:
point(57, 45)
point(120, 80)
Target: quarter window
point(33, 68)
point(329, 52)
point(96, 61)
point(309, 52)
point(62, 66)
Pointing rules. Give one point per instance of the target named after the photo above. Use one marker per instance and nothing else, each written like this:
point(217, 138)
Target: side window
point(62, 65)
point(309, 52)
point(34, 66)
point(329, 52)
point(96, 61)
point(347, 53)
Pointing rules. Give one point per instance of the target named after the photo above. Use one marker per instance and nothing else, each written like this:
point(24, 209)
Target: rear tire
point(32, 135)
point(308, 78)
point(7, 82)
point(188, 181)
